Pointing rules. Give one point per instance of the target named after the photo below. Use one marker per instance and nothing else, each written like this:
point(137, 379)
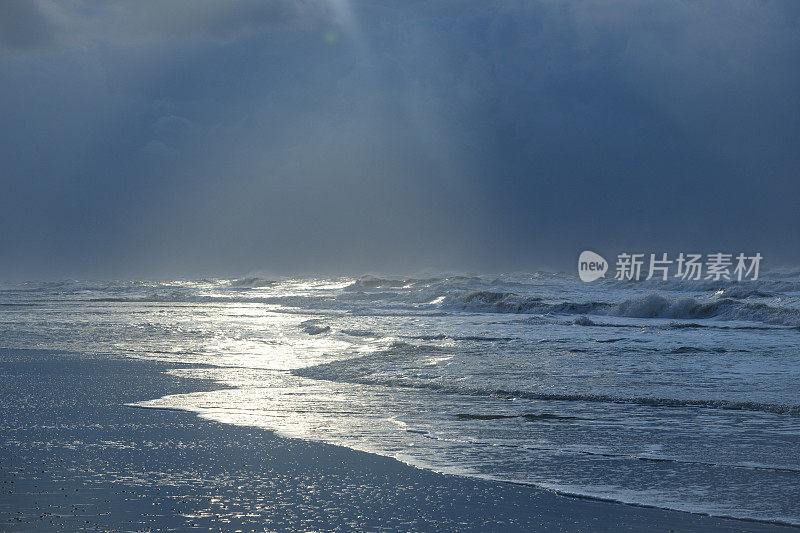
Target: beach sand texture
point(75, 457)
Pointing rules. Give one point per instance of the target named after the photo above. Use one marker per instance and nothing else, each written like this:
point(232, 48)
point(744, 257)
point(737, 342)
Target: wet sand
point(73, 456)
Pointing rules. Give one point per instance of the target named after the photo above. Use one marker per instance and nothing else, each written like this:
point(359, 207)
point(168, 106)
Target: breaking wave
point(373, 282)
point(251, 283)
point(647, 306)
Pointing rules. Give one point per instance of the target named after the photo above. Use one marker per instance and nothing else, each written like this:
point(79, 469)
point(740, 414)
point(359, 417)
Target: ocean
point(674, 394)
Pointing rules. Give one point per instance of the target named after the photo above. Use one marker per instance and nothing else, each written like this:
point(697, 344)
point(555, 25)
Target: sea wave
point(348, 374)
point(376, 282)
point(764, 287)
point(251, 283)
point(385, 368)
point(314, 327)
point(182, 297)
point(361, 333)
point(651, 305)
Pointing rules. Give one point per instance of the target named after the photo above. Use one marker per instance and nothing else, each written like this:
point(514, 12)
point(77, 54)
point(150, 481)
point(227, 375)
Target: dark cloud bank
point(195, 137)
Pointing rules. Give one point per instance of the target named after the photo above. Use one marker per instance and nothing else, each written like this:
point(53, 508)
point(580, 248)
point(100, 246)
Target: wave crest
point(251, 283)
point(651, 305)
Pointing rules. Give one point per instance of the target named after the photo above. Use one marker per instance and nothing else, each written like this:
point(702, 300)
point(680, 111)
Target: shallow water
point(674, 394)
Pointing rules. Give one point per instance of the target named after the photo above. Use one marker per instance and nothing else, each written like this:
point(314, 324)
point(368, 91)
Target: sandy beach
point(75, 457)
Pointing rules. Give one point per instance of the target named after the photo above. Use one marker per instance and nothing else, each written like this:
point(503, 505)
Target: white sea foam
point(646, 392)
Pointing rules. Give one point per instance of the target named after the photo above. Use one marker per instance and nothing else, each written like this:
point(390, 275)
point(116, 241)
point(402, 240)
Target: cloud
point(205, 18)
point(226, 136)
point(23, 25)
point(83, 22)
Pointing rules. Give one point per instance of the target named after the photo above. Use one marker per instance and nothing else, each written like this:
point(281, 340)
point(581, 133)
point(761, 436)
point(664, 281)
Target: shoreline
point(77, 456)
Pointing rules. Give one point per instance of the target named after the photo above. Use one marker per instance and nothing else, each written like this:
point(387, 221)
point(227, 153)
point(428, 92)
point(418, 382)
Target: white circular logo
point(591, 266)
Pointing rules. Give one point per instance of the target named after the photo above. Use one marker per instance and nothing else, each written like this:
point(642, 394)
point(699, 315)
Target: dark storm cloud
point(201, 137)
point(143, 19)
point(22, 25)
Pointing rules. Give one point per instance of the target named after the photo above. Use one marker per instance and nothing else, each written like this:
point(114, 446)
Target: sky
point(185, 138)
